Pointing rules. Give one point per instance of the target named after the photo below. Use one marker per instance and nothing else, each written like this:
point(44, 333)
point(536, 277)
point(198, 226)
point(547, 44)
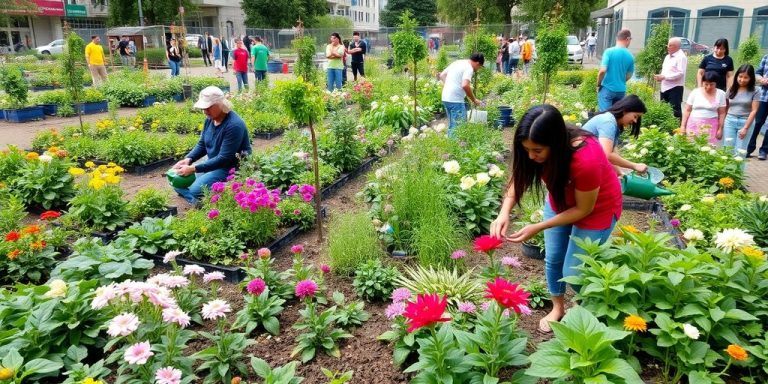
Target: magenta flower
point(306, 288)
point(292, 190)
point(215, 199)
point(298, 248)
point(394, 310)
point(306, 197)
point(231, 171)
point(307, 189)
point(256, 286)
point(675, 223)
point(325, 268)
point(244, 256)
point(218, 187)
point(459, 254)
point(236, 186)
point(264, 253)
point(297, 212)
point(250, 182)
point(401, 294)
point(230, 177)
point(512, 262)
point(278, 212)
point(213, 213)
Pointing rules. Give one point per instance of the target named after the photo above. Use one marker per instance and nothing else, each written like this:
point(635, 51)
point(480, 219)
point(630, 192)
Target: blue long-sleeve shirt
point(761, 72)
point(221, 143)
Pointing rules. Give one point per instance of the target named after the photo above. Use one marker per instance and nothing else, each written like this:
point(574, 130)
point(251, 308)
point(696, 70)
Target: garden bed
point(268, 135)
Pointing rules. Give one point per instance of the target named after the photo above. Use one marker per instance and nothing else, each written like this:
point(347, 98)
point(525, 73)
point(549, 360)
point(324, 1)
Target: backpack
point(527, 51)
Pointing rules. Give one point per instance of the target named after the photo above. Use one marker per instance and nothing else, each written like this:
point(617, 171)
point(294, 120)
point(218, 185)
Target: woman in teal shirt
point(334, 52)
point(609, 125)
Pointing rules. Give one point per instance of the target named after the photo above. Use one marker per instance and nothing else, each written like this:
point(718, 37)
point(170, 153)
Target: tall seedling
point(305, 66)
point(552, 48)
point(650, 59)
point(74, 57)
point(304, 103)
point(409, 48)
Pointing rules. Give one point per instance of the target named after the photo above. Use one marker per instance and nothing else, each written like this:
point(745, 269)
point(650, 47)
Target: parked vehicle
point(192, 39)
point(691, 47)
point(56, 46)
point(575, 50)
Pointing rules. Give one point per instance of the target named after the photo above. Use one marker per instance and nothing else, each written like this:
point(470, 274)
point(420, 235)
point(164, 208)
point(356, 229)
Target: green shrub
point(374, 281)
point(650, 59)
point(351, 242)
point(661, 115)
point(153, 236)
point(14, 85)
point(442, 59)
point(749, 51)
point(339, 146)
point(296, 212)
point(148, 202)
point(265, 122)
point(571, 77)
point(587, 93)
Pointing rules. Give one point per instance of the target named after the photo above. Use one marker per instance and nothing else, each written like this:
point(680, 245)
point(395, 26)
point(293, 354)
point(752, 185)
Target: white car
point(56, 46)
point(192, 39)
point(575, 51)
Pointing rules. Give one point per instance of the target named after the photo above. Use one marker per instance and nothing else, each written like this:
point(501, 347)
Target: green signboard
point(75, 10)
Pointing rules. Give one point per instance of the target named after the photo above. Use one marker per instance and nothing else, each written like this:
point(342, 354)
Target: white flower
point(708, 199)
point(170, 256)
point(723, 157)
point(379, 173)
point(691, 331)
point(713, 152)
point(45, 158)
point(691, 234)
point(730, 240)
point(440, 127)
point(495, 171)
point(630, 147)
point(653, 126)
point(685, 207)
point(584, 115)
point(578, 105)
point(647, 144)
point(643, 151)
point(413, 131)
point(705, 148)
point(738, 159)
point(394, 98)
point(58, 289)
point(763, 198)
point(451, 167)
point(467, 182)
point(483, 178)
point(374, 105)
point(670, 148)
point(742, 151)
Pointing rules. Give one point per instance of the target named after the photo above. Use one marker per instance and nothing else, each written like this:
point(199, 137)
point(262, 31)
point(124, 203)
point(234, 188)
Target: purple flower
point(390, 142)
point(256, 286)
point(306, 197)
point(401, 294)
point(215, 199)
point(524, 309)
point(394, 310)
point(485, 306)
point(236, 186)
point(231, 171)
point(306, 288)
point(213, 213)
point(467, 307)
point(218, 187)
point(458, 254)
point(278, 212)
point(292, 190)
point(675, 223)
point(230, 177)
point(250, 182)
point(297, 212)
point(325, 268)
point(298, 248)
point(512, 262)
point(306, 188)
point(244, 256)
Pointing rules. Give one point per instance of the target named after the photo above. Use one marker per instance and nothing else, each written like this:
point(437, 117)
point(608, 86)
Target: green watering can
point(179, 181)
point(644, 186)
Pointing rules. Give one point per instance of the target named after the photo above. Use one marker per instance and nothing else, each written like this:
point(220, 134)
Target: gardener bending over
point(456, 79)
point(224, 140)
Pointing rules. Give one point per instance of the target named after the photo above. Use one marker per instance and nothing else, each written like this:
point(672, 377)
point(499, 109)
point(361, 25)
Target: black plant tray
point(147, 168)
point(232, 274)
point(347, 177)
point(635, 204)
point(268, 135)
point(677, 238)
point(169, 211)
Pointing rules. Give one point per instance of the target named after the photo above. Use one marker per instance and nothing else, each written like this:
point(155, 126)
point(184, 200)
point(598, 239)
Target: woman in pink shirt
point(240, 65)
point(584, 199)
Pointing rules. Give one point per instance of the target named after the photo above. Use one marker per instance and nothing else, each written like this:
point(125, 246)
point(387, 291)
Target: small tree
point(305, 66)
point(651, 58)
point(552, 48)
point(14, 85)
point(442, 59)
point(483, 42)
point(72, 67)
point(409, 48)
point(304, 103)
point(749, 51)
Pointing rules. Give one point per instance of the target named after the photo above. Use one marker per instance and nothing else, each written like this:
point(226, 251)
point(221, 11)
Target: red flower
point(487, 243)
point(49, 215)
point(12, 236)
point(427, 309)
point(39, 245)
point(507, 294)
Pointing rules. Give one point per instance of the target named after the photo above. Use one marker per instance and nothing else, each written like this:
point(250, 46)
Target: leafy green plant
point(279, 169)
point(260, 310)
point(28, 254)
point(552, 48)
point(280, 375)
point(153, 236)
point(580, 337)
point(538, 293)
point(223, 360)
point(79, 372)
point(661, 115)
point(753, 217)
point(352, 240)
point(30, 370)
point(409, 48)
point(482, 41)
point(374, 281)
point(114, 262)
point(12, 210)
point(45, 184)
point(320, 332)
point(97, 209)
point(296, 212)
point(457, 287)
point(148, 202)
point(650, 59)
point(339, 147)
point(749, 51)
point(73, 70)
point(349, 315)
point(14, 85)
point(305, 66)
point(442, 59)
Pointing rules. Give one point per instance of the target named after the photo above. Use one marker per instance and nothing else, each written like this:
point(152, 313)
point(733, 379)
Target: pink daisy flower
point(298, 248)
point(467, 307)
point(256, 286)
point(170, 256)
point(394, 310)
point(138, 353)
point(193, 269)
point(264, 253)
point(401, 294)
point(123, 325)
point(213, 276)
point(215, 309)
point(458, 254)
point(512, 262)
point(176, 315)
point(168, 375)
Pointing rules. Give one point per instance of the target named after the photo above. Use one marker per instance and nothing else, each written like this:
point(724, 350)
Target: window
point(367, 3)
point(677, 17)
point(760, 25)
point(367, 17)
point(86, 23)
point(719, 22)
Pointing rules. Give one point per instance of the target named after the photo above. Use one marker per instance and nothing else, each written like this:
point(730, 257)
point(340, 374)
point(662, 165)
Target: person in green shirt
point(259, 57)
point(334, 52)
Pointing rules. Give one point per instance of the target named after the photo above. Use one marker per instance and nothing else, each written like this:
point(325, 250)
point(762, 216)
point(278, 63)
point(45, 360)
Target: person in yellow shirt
point(94, 57)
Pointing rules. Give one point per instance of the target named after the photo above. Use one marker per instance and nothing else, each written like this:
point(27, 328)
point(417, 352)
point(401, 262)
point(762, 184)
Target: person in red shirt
point(240, 65)
point(583, 201)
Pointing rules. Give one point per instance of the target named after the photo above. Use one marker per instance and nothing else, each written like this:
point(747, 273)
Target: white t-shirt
point(591, 40)
point(702, 108)
point(456, 73)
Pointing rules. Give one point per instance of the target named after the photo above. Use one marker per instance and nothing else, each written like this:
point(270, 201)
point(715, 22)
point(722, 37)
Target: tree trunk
point(318, 195)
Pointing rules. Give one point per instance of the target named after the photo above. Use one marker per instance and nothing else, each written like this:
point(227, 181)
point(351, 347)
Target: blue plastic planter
point(274, 67)
point(2, 114)
point(148, 101)
point(49, 109)
point(93, 107)
point(179, 97)
point(506, 116)
point(23, 115)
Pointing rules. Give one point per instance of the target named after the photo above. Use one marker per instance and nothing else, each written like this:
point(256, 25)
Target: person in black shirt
point(357, 48)
point(224, 53)
point(205, 48)
point(121, 48)
point(718, 62)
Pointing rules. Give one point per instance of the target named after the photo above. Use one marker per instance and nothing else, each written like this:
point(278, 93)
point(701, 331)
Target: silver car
point(56, 46)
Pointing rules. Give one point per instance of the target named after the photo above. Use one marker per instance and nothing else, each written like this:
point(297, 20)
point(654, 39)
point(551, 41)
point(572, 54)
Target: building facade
point(363, 13)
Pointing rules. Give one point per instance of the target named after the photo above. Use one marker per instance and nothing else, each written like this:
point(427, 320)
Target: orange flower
point(31, 229)
point(630, 229)
point(32, 156)
point(737, 353)
point(39, 245)
point(12, 255)
point(61, 153)
point(635, 323)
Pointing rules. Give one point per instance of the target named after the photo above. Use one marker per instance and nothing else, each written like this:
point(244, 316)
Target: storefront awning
point(605, 13)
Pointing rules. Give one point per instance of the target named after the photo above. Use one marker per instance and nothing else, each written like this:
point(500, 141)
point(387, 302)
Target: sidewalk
point(757, 173)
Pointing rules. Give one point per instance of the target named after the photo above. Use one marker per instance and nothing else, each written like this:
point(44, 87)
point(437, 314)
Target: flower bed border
point(24, 115)
point(343, 179)
point(663, 215)
point(268, 135)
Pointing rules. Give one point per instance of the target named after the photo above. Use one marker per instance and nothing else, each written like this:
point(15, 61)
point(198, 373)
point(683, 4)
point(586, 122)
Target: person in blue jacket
point(224, 141)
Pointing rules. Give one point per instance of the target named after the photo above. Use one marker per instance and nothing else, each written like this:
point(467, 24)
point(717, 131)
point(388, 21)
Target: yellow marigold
point(6, 373)
point(635, 323)
point(630, 229)
point(97, 183)
point(102, 168)
point(53, 149)
point(112, 179)
point(726, 182)
point(90, 380)
point(89, 164)
point(118, 169)
point(76, 171)
point(721, 196)
point(111, 164)
point(32, 156)
point(753, 253)
point(736, 352)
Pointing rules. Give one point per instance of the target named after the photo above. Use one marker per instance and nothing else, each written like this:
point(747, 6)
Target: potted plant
point(93, 101)
point(531, 213)
point(17, 89)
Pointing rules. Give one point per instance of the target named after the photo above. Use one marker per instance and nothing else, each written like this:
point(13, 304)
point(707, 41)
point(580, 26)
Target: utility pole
point(141, 15)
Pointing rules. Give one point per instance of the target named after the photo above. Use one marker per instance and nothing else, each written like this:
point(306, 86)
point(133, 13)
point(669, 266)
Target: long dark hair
point(750, 71)
point(544, 125)
point(630, 103)
point(721, 42)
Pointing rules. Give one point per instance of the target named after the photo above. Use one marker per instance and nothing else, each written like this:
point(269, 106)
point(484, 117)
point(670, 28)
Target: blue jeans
point(457, 113)
point(505, 64)
point(242, 80)
point(512, 66)
point(731, 128)
point(260, 75)
point(560, 250)
point(606, 98)
point(194, 193)
point(174, 67)
point(334, 78)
